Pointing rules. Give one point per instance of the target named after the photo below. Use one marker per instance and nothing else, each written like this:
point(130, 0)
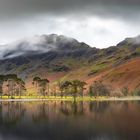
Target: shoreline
point(24, 99)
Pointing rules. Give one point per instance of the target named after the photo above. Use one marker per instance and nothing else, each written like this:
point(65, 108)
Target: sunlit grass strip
point(52, 97)
point(67, 98)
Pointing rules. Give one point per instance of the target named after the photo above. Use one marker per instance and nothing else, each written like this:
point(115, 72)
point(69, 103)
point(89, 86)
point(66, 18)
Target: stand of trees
point(1, 84)
point(41, 85)
point(73, 88)
point(14, 85)
point(99, 89)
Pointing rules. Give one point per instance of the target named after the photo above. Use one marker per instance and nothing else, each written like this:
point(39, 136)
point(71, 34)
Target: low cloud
point(95, 31)
point(99, 23)
point(15, 9)
point(36, 45)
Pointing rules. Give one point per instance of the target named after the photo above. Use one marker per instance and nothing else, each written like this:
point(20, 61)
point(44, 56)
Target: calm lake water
point(56, 120)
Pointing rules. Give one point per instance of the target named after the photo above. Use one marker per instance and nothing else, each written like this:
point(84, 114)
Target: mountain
point(59, 57)
point(39, 45)
point(130, 42)
point(52, 52)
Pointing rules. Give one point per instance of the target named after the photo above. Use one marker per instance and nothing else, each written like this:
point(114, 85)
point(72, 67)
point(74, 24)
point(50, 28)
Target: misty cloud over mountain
point(37, 45)
point(99, 23)
point(52, 43)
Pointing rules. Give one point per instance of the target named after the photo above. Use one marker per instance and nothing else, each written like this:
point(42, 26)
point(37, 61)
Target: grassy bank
point(67, 98)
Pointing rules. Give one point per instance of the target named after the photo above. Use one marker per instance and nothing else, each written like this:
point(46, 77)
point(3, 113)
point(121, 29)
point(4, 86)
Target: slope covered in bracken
point(60, 58)
point(124, 75)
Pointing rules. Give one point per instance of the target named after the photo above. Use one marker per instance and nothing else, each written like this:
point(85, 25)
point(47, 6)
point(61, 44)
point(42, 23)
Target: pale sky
point(99, 23)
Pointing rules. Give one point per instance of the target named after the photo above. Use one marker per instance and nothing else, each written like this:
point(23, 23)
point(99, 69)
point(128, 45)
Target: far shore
point(68, 98)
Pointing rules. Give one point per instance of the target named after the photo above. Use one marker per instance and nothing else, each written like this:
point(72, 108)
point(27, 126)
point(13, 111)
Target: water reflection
point(57, 120)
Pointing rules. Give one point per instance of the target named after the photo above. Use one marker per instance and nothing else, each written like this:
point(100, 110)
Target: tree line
point(13, 84)
point(16, 87)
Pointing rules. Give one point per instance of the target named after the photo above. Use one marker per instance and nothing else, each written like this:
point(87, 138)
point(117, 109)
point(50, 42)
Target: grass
point(64, 98)
point(67, 98)
point(97, 68)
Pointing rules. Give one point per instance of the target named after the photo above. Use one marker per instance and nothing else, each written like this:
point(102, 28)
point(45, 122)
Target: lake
point(59, 120)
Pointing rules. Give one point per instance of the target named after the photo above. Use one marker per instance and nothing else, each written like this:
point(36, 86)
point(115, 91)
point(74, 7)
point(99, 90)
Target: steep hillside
point(124, 75)
point(63, 58)
point(50, 53)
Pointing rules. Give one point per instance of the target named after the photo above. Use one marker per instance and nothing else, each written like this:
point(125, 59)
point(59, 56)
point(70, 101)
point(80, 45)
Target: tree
point(99, 89)
point(54, 89)
point(41, 85)
point(20, 87)
point(72, 87)
point(136, 91)
point(64, 87)
point(81, 86)
point(15, 85)
point(1, 84)
point(36, 83)
point(11, 79)
point(91, 93)
point(78, 87)
point(125, 91)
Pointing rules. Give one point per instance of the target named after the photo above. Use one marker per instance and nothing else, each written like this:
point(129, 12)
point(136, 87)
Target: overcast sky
point(99, 23)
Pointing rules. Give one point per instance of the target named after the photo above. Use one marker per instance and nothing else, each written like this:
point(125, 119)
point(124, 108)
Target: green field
point(66, 98)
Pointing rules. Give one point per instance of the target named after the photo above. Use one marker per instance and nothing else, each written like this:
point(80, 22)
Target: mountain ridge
point(39, 44)
point(69, 59)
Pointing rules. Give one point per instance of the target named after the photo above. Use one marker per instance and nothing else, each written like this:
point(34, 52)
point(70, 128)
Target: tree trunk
point(1, 91)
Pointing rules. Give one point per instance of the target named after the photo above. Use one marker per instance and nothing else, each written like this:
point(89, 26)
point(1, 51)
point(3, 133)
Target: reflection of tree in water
point(125, 104)
point(119, 105)
point(72, 108)
point(42, 113)
point(98, 107)
point(100, 110)
point(137, 102)
point(1, 113)
point(94, 120)
point(11, 113)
